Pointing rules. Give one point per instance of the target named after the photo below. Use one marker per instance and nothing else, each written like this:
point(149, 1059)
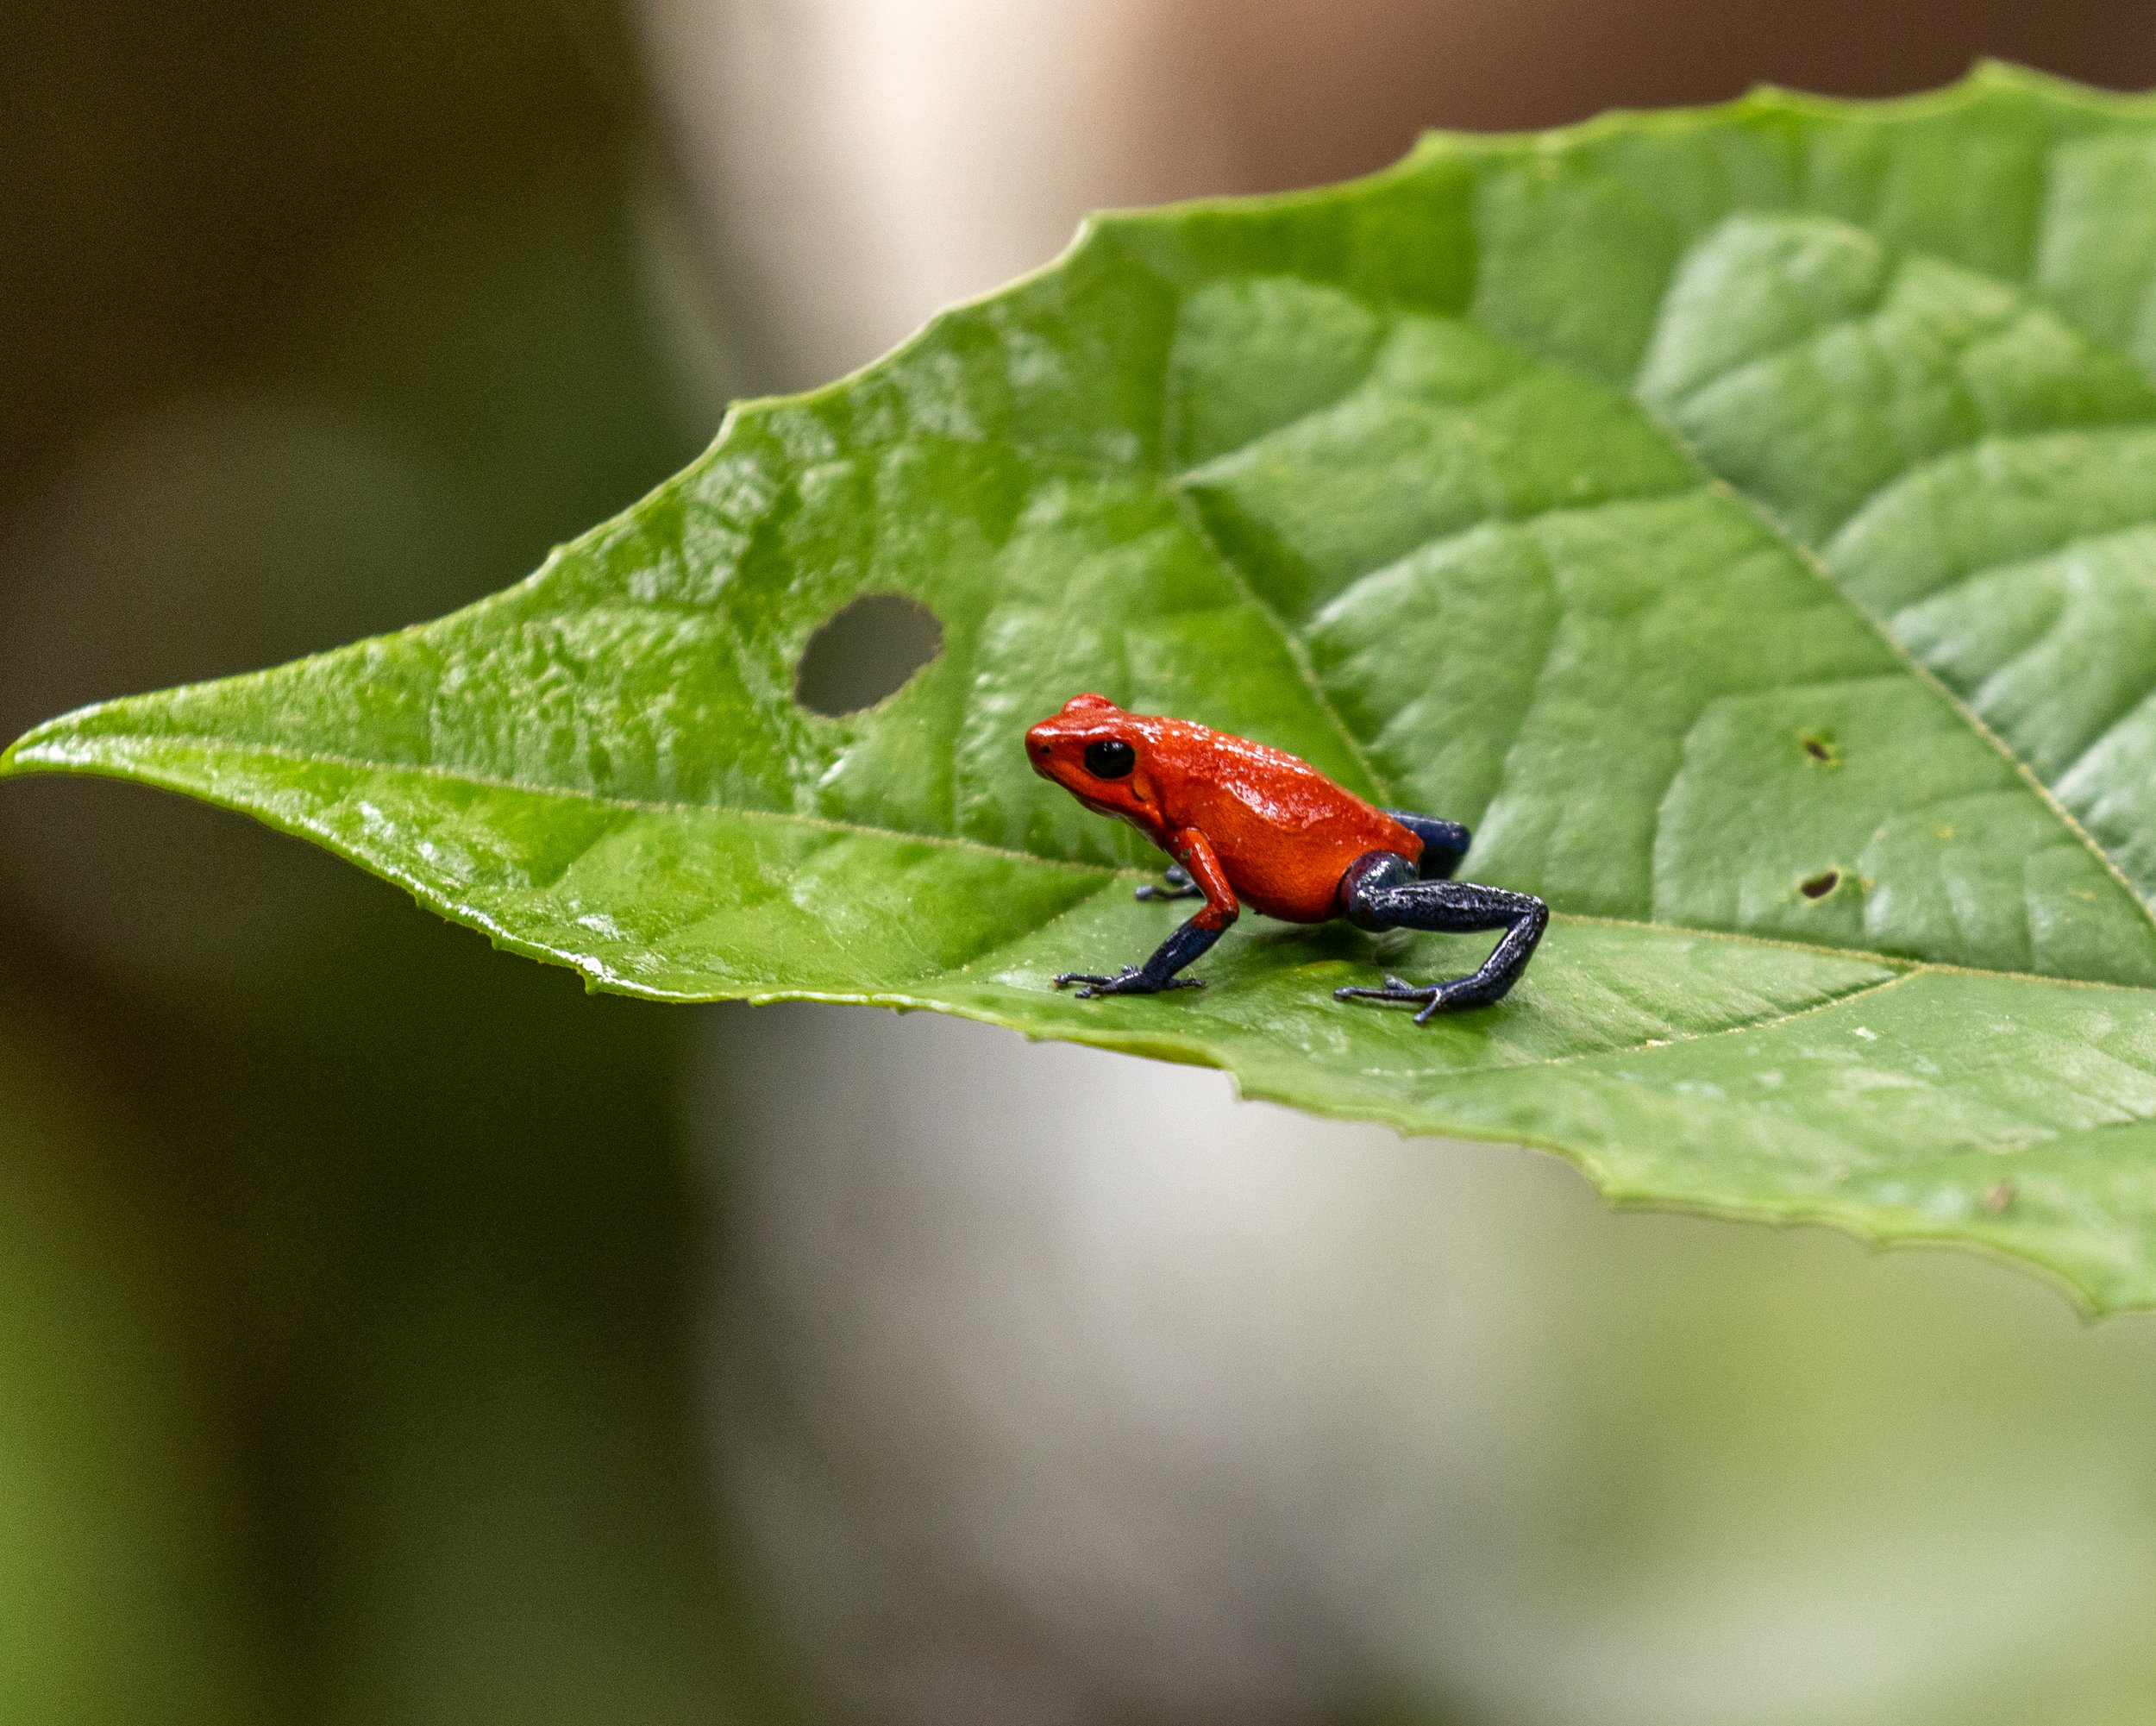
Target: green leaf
point(1744, 519)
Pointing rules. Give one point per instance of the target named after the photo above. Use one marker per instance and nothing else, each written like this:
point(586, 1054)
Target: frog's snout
point(1040, 751)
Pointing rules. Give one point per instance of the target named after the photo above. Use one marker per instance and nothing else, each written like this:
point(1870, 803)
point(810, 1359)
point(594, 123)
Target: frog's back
point(1283, 832)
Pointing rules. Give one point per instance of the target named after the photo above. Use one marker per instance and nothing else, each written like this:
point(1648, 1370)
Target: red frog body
point(1282, 832)
point(1250, 823)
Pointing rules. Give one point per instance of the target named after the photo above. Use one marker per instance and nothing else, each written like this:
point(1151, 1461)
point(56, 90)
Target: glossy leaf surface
point(1746, 519)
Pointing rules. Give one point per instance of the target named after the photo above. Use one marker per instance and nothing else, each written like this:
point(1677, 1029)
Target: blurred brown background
point(391, 1332)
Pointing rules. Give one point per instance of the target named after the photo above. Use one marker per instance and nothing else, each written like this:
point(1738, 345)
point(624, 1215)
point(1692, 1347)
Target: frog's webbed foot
point(1157, 974)
point(1180, 885)
point(1432, 997)
point(1130, 980)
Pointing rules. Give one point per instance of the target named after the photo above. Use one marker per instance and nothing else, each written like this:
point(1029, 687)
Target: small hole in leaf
point(1820, 748)
point(865, 654)
point(1820, 884)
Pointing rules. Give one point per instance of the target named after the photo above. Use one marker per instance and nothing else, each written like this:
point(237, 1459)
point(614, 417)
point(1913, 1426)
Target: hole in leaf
point(1820, 748)
point(865, 653)
point(1820, 884)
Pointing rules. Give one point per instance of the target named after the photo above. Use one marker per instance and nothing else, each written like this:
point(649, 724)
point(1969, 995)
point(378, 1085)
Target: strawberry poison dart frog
point(1249, 824)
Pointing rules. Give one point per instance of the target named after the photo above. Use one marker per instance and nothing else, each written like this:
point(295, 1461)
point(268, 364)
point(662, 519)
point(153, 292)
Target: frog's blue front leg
point(1201, 866)
point(1191, 941)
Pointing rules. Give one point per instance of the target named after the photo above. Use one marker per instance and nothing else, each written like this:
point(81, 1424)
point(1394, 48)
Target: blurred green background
point(342, 1262)
point(390, 1332)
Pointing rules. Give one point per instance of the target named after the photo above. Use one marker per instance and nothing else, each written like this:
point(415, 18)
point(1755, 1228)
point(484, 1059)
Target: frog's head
point(1097, 752)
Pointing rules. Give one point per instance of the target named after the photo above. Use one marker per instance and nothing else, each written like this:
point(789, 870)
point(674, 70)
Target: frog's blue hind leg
point(1443, 843)
point(1381, 891)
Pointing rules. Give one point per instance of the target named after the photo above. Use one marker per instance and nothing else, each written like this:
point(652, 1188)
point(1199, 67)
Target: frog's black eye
point(1110, 758)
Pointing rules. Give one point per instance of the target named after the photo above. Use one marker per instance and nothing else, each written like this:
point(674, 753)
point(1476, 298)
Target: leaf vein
point(1923, 673)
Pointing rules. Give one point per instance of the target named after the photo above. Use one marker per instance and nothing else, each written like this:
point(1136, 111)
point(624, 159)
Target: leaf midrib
point(1900, 963)
point(26, 752)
